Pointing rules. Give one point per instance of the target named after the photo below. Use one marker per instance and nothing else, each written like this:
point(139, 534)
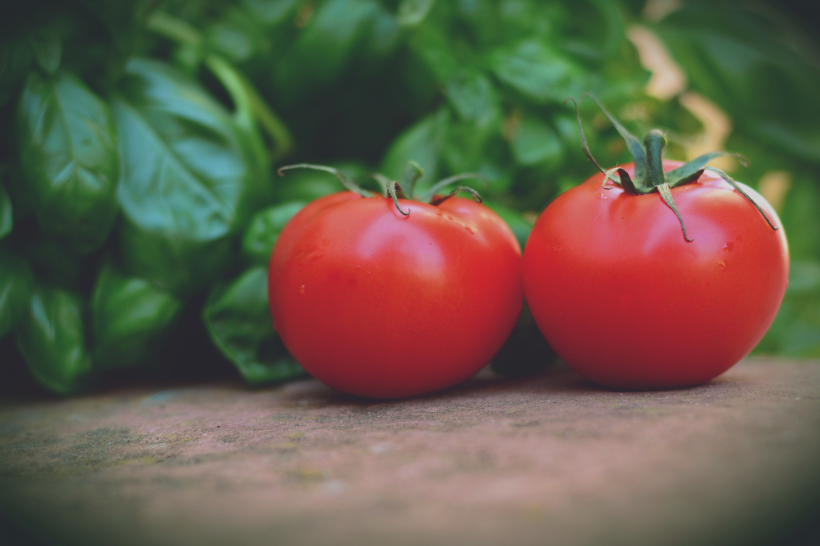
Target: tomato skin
point(628, 304)
point(380, 305)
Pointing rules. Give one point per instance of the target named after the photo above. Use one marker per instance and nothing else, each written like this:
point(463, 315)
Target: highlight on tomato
point(655, 274)
point(389, 296)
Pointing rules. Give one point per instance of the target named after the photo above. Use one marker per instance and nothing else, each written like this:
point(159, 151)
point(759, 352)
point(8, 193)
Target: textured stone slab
point(551, 459)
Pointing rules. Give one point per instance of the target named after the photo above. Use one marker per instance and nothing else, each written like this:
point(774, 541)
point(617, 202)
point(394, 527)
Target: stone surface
point(551, 459)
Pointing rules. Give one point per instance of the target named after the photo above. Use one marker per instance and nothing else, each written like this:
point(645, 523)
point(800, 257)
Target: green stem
point(430, 194)
point(175, 29)
point(394, 190)
point(346, 182)
point(476, 197)
point(655, 143)
point(229, 78)
point(275, 127)
point(249, 104)
point(383, 182)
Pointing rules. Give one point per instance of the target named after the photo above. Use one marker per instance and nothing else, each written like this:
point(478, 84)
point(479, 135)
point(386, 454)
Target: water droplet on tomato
point(302, 289)
point(438, 213)
point(449, 217)
point(722, 264)
point(601, 196)
point(728, 247)
point(326, 241)
point(468, 229)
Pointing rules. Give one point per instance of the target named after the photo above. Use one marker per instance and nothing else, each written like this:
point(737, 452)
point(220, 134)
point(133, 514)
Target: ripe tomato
point(378, 304)
point(628, 303)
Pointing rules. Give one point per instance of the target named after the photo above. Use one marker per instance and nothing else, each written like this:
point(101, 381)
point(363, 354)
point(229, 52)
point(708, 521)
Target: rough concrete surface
point(548, 460)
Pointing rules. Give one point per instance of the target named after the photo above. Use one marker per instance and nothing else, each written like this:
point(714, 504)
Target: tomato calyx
point(649, 176)
point(400, 189)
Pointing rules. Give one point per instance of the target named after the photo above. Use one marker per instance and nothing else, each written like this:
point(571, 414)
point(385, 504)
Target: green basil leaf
point(190, 178)
point(473, 97)
point(238, 320)
point(432, 46)
point(236, 36)
point(264, 229)
point(599, 32)
point(130, 319)
point(51, 338)
point(422, 143)
point(519, 225)
point(383, 37)
point(412, 12)
point(6, 213)
point(323, 49)
point(538, 72)
point(535, 142)
point(483, 150)
point(16, 283)
point(68, 155)
point(465, 147)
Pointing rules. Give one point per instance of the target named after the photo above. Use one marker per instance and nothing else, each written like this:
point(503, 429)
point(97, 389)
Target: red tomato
point(628, 303)
point(377, 304)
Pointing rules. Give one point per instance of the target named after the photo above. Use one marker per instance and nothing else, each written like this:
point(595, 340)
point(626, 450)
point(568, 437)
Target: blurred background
point(139, 141)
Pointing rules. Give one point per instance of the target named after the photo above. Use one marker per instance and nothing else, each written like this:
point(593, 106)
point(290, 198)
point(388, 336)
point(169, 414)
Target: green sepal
point(476, 197)
point(666, 195)
point(584, 145)
point(430, 194)
point(383, 182)
point(691, 170)
point(632, 143)
point(396, 193)
point(628, 185)
point(742, 192)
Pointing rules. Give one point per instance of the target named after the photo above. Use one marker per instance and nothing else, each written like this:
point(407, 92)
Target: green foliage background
point(138, 141)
